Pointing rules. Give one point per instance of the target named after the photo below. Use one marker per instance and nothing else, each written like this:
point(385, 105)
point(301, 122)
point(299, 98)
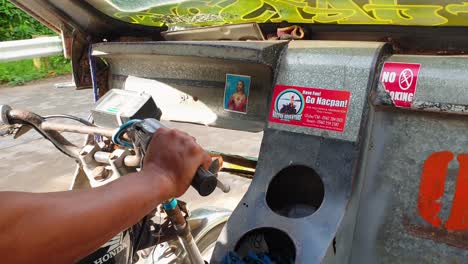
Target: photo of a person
point(236, 93)
point(290, 108)
point(289, 103)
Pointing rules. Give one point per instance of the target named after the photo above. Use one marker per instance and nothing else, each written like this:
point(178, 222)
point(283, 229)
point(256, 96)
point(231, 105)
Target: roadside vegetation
point(16, 25)
point(19, 72)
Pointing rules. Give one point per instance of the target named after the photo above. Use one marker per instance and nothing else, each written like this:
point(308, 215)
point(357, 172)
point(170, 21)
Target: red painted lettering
point(458, 219)
point(432, 186)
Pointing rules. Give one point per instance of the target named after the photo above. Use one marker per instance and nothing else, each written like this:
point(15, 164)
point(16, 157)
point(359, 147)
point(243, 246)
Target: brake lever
point(16, 130)
point(22, 129)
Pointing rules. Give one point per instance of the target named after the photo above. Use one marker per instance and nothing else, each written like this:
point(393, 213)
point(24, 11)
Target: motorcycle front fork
point(183, 231)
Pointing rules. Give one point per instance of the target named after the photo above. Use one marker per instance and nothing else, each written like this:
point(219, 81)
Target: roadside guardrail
point(30, 48)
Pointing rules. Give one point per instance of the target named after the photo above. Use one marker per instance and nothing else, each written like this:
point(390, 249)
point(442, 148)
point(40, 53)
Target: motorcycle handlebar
point(11, 116)
point(204, 181)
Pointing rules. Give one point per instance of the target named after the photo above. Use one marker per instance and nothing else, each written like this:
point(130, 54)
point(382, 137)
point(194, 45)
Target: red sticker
point(310, 107)
point(400, 80)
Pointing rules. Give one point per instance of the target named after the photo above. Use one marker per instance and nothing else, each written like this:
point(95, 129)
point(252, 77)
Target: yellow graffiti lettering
point(288, 10)
point(139, 18)
point(344, 11)
point(326, 15)
point(154, 16)
point(197, 7)
point(456, 9)
point(239, 12)
point(393, 13)
point(372, 12)
point(200, 13)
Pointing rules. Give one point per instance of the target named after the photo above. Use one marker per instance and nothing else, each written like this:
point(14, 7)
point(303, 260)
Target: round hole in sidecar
point(273, 243)
point(296, 191)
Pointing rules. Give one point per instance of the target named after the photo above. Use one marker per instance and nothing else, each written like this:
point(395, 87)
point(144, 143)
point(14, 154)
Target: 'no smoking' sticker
point(400, 80)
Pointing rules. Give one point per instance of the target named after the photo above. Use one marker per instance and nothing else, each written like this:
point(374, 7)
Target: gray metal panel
point(345, 234)
point(442, 79)
point(199, 69)
point(335, 65)
point(333, 160)
point(389, 228)
point(442, 83)
point(332, 65)
point(265, 52)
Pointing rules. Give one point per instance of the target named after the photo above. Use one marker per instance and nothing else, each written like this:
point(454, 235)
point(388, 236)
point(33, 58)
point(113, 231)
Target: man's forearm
point(65, 226)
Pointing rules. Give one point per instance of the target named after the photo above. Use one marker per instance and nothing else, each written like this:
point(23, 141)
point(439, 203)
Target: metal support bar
point(30, 48)
point(80, 129)
point(183, 232)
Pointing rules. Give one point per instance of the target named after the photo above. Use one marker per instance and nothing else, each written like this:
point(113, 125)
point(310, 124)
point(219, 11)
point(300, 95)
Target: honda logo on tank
point(400, 80)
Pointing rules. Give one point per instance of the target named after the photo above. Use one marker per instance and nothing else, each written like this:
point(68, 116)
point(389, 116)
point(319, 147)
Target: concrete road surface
point(33, 164)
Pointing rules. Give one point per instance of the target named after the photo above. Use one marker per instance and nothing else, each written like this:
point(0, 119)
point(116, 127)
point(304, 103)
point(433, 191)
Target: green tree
point(16, 24)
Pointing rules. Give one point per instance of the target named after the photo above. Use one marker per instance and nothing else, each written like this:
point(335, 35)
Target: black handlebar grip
point(204, 182)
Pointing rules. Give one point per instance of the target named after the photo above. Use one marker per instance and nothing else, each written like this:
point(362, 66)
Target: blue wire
point(116, 136)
